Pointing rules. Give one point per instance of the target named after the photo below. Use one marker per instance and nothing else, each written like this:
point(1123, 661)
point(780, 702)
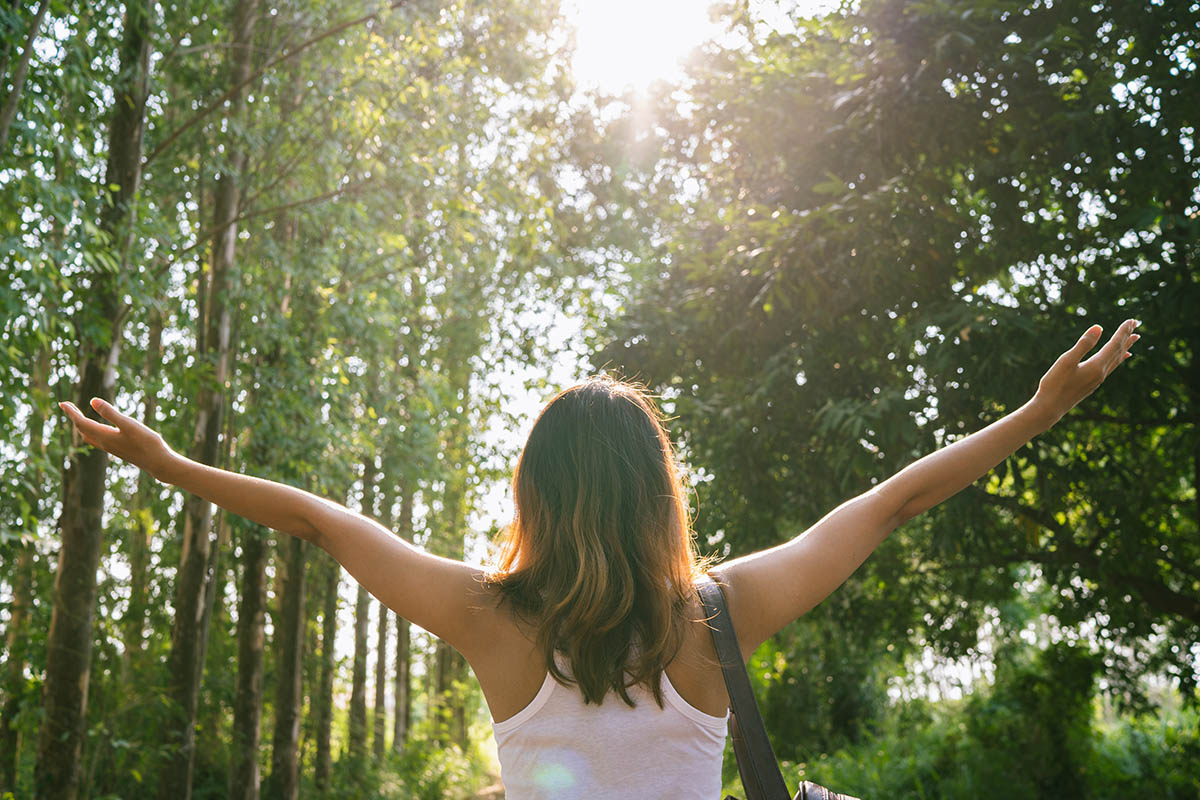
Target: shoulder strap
point(757, 765)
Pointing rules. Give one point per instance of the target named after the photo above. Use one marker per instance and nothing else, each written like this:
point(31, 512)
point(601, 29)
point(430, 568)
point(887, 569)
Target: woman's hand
point(130, 440)
point(1071, 379)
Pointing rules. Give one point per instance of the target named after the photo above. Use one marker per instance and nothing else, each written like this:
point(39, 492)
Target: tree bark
point(403, 692)
point(69, 645)
point(9, 111)
point(324, 768)
point(362, 611)
point(451, 667)
point(284, 782)
point(134, 621)
point(214, 345)
point(358, 687)
point(16, 646)
point(379, 734)
point(17, 635)
point(251, 636)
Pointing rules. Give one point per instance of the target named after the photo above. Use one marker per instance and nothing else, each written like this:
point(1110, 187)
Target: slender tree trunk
point(251, 636)
point(9, 112)
point(324, 768)
point(284, 782)
point(214, 580)
point(379, 733)
point(362, 612)
point(358, 687)
point(214, 345)
point(134, 620)
point(69, 646)
point(451, 667)
point(403, 693)
point(16, 645)
point(379, 710)
point(17, 635)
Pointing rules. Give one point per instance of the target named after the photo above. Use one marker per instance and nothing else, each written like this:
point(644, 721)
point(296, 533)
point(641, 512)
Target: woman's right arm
point(771, 588)
point(438, 594)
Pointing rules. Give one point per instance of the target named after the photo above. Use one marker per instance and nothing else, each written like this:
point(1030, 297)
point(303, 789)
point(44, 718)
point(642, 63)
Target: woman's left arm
point(771, 588)
point(439, 594)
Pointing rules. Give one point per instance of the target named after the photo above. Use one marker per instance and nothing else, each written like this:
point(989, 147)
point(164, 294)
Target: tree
point(70, 639)
point(870, 236)
point(215, 347)
point(331, 571)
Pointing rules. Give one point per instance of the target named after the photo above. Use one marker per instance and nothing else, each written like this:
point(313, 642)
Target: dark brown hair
point(600, 556)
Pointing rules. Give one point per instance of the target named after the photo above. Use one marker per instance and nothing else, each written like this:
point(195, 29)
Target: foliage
point(870, 235)
point(1038, 730)
point(393, 219)
point(836, 246)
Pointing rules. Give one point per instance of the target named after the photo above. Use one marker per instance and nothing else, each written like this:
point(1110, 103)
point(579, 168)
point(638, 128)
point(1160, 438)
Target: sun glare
point(629, 44)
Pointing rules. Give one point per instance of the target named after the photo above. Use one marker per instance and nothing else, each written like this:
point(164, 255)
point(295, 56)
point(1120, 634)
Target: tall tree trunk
point(16, 645)
point(17, 635)
point(324, 769)
point(134, 620)
point(362, 611)
point(358, 685)
point(251, 636)
point(284, 782)
point(379, 714)
point(9, 112)
point(214, 345)
point(69, 645)
point(379, 710)
point(403, 693)
point(451, 667)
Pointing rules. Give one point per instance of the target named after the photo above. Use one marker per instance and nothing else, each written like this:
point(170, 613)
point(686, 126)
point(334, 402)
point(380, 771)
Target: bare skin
point(766, 590)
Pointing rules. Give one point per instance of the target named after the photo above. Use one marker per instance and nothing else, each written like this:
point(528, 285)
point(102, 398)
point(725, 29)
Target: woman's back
point(558, 746)
point(553, 744)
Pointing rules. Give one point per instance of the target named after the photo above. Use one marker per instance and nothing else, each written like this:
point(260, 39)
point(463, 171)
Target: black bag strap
point(757, 765)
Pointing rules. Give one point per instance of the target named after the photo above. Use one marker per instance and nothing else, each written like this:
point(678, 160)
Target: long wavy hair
point(600, 557)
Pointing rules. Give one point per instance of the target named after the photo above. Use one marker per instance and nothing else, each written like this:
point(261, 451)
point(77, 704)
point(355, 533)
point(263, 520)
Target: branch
point(204, 236)
point(1164, 422)
point(18, 82)
point(258, 73)
point(1155, 593)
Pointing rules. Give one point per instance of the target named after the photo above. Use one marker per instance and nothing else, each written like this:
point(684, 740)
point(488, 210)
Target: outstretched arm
point(771, 588)
point(436, 593)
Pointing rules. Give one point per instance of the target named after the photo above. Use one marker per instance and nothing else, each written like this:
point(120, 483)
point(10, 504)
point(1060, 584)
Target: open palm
point(1070, 379)
point(126, 438)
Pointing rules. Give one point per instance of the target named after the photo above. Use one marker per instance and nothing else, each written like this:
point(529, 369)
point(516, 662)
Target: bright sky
point(624, 44)
point(631, 43)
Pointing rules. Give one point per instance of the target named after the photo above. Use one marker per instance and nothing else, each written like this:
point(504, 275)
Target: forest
point(354, 246)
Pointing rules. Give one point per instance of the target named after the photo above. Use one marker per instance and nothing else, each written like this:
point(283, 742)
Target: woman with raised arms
point(587, 636)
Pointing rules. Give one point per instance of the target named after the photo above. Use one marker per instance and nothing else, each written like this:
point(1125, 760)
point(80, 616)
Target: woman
point(587, 637)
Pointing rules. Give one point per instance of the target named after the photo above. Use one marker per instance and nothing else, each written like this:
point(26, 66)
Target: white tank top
point(561, 749)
